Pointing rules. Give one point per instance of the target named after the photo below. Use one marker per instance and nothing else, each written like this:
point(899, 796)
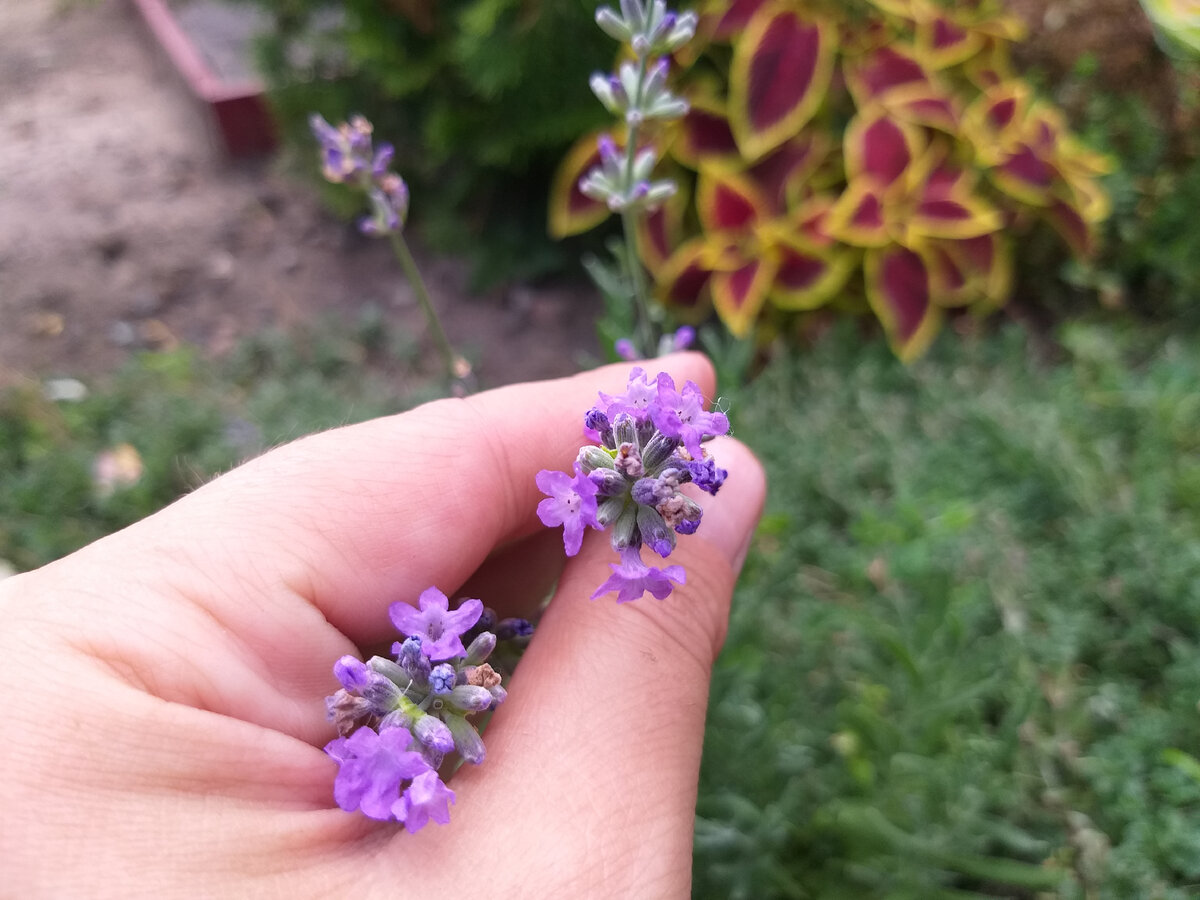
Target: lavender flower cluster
point(349, 157)
point(647, 444)
point(637, 93)
point(398, 718)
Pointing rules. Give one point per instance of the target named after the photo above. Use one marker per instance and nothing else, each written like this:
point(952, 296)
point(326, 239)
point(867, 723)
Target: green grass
point(963, 657)
point(188, 420)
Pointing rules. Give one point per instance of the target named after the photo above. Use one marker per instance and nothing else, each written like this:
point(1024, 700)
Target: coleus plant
point(875, 154)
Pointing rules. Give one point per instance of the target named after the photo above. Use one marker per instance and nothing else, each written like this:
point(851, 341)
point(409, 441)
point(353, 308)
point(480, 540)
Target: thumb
point(597, 750)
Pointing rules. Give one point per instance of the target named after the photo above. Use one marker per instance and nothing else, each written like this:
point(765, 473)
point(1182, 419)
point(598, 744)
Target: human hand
point(164, 686)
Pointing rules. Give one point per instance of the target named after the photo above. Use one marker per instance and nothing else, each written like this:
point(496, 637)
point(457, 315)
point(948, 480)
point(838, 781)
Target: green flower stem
point(644, 332)
point(456, 366)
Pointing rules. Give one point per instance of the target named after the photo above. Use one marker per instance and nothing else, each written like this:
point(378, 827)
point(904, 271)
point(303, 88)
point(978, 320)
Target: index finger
point(360, 516)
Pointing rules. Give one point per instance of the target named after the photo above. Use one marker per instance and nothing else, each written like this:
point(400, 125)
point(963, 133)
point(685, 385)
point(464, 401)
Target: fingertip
point(731, 515)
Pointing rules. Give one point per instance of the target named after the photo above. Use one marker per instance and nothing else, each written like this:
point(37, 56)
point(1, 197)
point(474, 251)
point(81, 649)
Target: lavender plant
point(646, 444)
point(638, 94)
point(398, 719)
point(349, 157)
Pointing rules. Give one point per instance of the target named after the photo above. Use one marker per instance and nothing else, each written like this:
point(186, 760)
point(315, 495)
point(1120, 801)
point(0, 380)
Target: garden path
point(122, 228)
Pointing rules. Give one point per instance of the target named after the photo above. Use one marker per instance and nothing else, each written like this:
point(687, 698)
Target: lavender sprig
point(637, 93)
point(398, 718)
point(647, 443)
point(349, 157)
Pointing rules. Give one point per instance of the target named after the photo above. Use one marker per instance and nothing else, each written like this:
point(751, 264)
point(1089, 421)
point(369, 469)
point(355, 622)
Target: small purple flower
point(625, 350)
point(631, 578)
point(681, 414)
point(640, 396)
point(571, 502)
point(685, 336)
point(382, 159)
point(706, 475)
point(373, 766)
point(346, 150)
point(426, 798)
point(440, 629)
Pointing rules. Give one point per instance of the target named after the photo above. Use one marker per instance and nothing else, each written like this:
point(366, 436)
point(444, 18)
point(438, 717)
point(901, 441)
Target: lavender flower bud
point(645, 491)
point(624, 429)
point(413, 661)
point(610, 156)
point(654, 531)
point(657, 451)
point(442, 678)
point(689, 526)
point(656, 77)
point(352, 673)
point(625, 532)
point(609, 509)
point(515, 630)
point(609, 92)
point(382, 694)
point(634, 14)
point(612, 24)
point(680, 509)
point(592, 458)
point(629, 460)
point(480, 649)
point(433, 733)
point(397, 675)
point(609, 483)
point(470, 698)
point(466, 739)
point(347, 712)
point(499, 694)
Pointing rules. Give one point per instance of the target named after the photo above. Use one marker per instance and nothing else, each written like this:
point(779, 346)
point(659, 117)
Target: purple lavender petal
point(373, 766)
point(439, 629)
point(641, 394)
point(681, 414)
point(427, 798)
point(685, 336)
point(706, 475)
point(631, 578)
point(571, 502)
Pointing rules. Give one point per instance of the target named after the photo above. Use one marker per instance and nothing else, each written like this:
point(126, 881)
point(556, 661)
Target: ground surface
point(121, 227)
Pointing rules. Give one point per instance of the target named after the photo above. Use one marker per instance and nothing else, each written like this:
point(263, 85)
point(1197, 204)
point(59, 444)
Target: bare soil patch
point(123, 228)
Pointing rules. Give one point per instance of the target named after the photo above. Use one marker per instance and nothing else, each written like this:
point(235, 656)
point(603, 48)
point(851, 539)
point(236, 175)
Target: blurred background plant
point(876, 154)
point(479, 96)
point(80, 460)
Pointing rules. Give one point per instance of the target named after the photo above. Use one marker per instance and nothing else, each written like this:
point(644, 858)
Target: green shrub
point(481, 98)
point(1150, 249)
point(964, 657)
